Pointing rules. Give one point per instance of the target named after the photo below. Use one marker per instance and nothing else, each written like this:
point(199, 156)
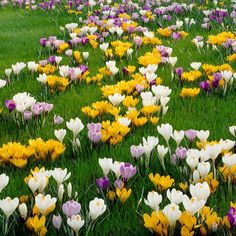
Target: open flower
point(45, 204)
point(75, 125)
point(153, 200)
point(8, 206)
point(96, 208)
point(76, 223)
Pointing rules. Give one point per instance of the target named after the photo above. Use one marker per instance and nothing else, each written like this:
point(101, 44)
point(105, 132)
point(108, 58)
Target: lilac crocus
point(57, 120)
point(103, 183)
point(127, 171)
point(71, 208)
point(94, 132)
point(47, 107)
point(118, 183)
point(136, 151)
point(10, 105)
point(181, 152)
point(191, 134)
point(56, 221)
point(232, 216)
point(27, 115)
point(139, 88)
point(37, 109)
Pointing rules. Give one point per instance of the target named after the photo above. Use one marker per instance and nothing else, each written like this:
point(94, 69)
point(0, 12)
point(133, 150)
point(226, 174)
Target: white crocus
point(8, 206)
point(148, 99)
point(106, 165)
point(166, 131)
point(149, 144)
point(43, 203)
point(32, 66)
point(192, 205)
point(2, 83)
point(8, 72)
point(172, 212)
point(60, 175)
point(23, 210)
point(75, 125)
point(204, 169)
point(196, 65)
point(153, 200)
point(229, 160)
point(116, 99)
point(116, 168)
point(124, 121)
point(172, 61)
point(232, 130)
point(96, 208)
point(201, 191)
point(42, 78)
point(4, 180)
point(60, 134)
point(175, 196)
point(178, 136)
point(76, 223)
point(85, 55)
point(203, 135)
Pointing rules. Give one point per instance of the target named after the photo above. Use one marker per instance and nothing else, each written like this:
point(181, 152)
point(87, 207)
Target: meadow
point(210, 109)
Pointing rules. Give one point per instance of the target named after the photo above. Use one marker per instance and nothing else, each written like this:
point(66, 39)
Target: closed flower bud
point(23, 210)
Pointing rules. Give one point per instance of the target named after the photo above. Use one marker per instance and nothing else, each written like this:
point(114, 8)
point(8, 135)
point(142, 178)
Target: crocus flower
point(43, 42)
point(57, 120)
point(136, 151)
point(127, 171)
point(103, 183)
point(71, 208)
point(205, 86)
point(27, 115)
point(94, 132)
point(176, 36)
point(181, 152)
point(232, 216)
point(10, 104)
point(191, 134)
point(56, 221)
point(179, 71)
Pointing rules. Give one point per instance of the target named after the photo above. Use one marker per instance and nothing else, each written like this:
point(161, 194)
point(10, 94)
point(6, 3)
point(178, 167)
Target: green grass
point(20, 31)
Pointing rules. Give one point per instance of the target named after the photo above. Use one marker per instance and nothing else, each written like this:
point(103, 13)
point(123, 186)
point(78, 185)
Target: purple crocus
point(103, 183)
point(43, 42)
point(191, 134)
point(127, 171)
point(205, 86)
point(232, 216)
point(125, 71)
point(94, 132)
point(10, 105)
point(52, 60)
point(136, 151)
point(179, 71)
point(71, 208)
point(176, 36)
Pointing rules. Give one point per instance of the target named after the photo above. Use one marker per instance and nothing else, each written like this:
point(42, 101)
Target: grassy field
point(20, 31)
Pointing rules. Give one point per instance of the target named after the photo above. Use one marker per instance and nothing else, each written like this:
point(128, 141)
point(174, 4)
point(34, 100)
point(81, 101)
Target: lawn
point(20, 31)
